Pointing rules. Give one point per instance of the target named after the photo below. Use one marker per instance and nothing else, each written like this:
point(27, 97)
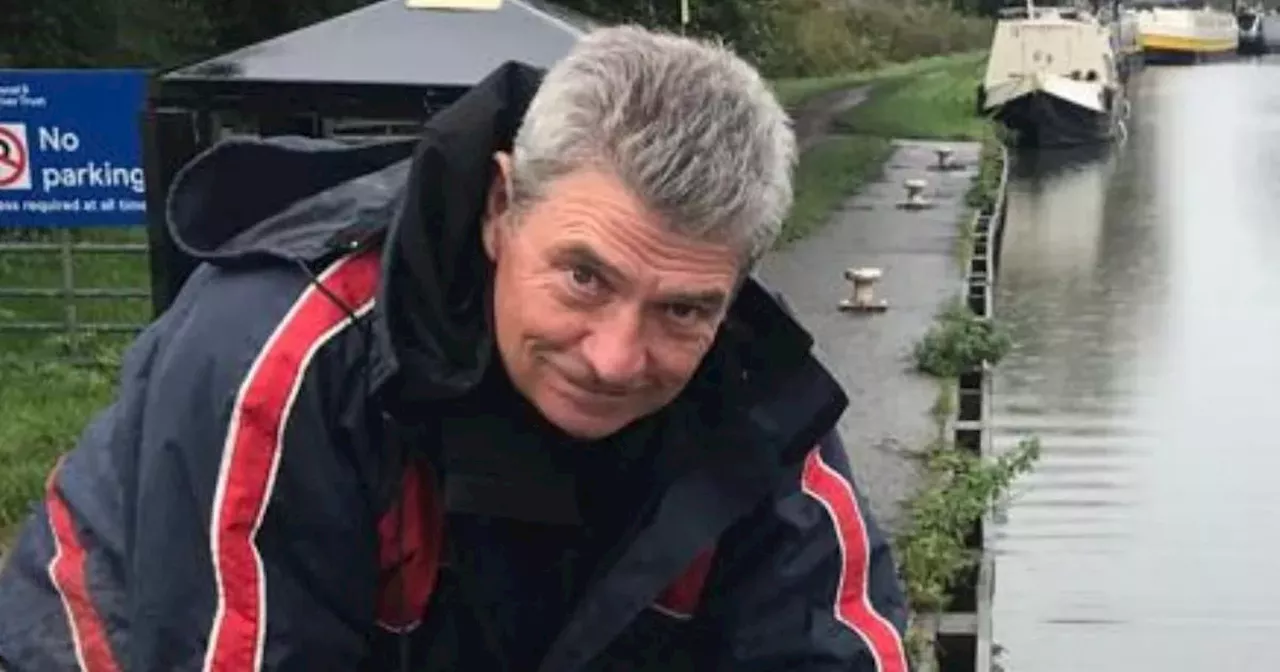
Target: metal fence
point(65, 248)
point(28, 307)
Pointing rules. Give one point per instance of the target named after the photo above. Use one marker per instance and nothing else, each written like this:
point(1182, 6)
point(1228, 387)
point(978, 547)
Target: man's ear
point(497, 203)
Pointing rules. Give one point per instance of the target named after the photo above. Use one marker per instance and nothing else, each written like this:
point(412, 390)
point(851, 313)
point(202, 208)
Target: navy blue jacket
point(312, 463)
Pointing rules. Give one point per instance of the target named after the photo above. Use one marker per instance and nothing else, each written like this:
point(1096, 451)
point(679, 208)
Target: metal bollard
point(863, 299)
point(946, 159)
point(915, 195)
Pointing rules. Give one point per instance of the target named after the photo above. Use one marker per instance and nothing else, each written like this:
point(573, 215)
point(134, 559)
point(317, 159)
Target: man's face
point(601, 315)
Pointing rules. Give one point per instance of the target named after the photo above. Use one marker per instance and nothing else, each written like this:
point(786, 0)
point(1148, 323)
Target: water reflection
point(1141, 285)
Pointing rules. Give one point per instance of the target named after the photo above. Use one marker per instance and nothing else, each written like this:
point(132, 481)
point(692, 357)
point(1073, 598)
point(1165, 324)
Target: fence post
point(68, 286)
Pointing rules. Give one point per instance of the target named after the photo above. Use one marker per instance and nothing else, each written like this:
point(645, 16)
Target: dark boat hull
point(1042, 120)
point(1152, 56)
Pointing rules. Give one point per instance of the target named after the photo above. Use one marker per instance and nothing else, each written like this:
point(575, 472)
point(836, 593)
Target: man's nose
point(615, 348)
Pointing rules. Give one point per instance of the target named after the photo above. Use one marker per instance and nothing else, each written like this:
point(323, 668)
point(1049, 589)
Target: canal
point(1144, 289)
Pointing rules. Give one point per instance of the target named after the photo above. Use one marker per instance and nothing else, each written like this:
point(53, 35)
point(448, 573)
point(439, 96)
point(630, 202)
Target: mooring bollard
point(915, 195)
point(863, 299)
point(945, 156)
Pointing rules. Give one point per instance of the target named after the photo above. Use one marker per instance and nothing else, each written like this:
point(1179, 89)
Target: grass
point(937, 103)
point(931, 99)
point(853, 154)
point(796, 92)
point(47, 400)
point(828, 172)
point(46, 404)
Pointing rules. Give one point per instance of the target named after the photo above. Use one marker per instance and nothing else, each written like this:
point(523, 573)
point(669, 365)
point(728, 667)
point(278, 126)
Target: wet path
point(888, 415)
point(1144, 287)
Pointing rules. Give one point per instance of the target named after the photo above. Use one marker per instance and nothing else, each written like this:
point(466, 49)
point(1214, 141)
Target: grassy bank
point(47, 401)
point(930, 99)
point(833, 169)
point(935, 103)
point(794, 93)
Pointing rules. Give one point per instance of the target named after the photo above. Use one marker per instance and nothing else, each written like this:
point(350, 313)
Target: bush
point(813, 37)
point(961, 341)
point(960, 488)
point(982, 195)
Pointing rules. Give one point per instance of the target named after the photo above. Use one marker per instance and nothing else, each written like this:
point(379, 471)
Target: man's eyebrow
point(711, 299)
point(580, 254)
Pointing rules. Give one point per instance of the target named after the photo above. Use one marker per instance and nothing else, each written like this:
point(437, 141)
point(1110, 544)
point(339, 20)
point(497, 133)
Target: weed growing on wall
point(961, 341)
point(959, 486)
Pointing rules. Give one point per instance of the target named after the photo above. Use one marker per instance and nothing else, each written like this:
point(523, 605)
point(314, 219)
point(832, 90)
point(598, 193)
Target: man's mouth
point(595, 391)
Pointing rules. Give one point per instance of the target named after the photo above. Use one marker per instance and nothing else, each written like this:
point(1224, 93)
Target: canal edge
point(980, 278)
point(951, 601)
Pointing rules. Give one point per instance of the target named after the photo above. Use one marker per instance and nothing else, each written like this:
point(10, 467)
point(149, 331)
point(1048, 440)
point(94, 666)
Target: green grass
point(828, 172)
point(929, 98)
point(938, 103)
point(796, 92)
point(46, 404)
point(47, 400)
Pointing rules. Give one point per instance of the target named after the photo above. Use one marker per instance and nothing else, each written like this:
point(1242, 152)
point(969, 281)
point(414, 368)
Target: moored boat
point(1052, 79)
point(1186, 32)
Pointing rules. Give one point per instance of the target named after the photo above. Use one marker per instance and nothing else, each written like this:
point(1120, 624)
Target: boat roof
point(1039, 12)
point(390, 42)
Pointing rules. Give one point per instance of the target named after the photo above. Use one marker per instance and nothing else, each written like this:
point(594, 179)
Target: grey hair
point(687, 125)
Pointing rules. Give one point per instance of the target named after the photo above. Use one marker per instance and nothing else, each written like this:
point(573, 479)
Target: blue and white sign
point(70, 148)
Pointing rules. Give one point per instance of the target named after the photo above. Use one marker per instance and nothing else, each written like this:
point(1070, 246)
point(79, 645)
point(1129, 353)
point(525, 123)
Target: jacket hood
point(286, 197)
point(247, 199)
point(303, 200)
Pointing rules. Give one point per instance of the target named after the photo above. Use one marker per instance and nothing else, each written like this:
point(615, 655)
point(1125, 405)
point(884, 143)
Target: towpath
point(888, 414)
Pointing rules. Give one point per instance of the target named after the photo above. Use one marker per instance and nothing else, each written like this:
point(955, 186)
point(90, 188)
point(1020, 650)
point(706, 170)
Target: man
point(505, 399)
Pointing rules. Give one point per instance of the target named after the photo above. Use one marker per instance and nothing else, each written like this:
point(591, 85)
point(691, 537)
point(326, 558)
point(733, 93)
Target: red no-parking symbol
point(15, 163)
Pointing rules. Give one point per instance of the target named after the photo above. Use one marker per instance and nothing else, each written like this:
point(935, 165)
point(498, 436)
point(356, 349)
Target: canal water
point(1144, 289)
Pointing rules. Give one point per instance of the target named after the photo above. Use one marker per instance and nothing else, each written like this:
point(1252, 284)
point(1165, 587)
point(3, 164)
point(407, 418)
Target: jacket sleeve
point(219, 514)
point(809, 585)
point(254, 543)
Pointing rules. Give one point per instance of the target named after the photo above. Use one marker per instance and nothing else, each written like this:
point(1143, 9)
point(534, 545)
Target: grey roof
point(389, 43)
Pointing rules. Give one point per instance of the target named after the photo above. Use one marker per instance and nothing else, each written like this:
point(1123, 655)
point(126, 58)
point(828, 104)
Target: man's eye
point(684, 313)
point(583, 276)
